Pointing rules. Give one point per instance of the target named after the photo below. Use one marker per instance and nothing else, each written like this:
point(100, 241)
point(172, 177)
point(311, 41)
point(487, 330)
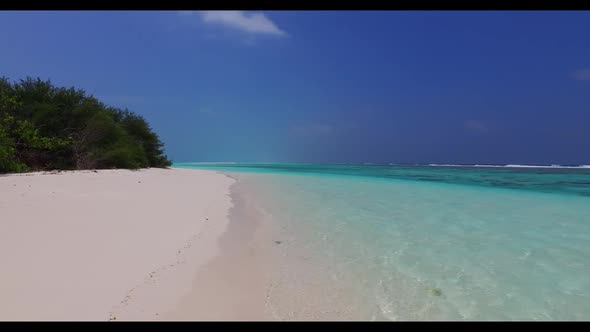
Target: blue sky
point(280, 86)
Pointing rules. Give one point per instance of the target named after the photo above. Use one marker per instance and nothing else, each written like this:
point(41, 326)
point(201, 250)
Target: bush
point(46, 127)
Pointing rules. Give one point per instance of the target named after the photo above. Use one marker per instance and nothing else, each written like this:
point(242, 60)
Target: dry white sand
point(112, 244)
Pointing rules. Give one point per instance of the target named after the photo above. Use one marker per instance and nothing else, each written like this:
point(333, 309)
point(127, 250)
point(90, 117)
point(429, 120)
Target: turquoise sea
point(421, 242)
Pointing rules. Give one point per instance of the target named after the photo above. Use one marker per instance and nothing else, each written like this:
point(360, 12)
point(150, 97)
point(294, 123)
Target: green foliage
point(46, 127)
point(8, 161)
point(140, 131)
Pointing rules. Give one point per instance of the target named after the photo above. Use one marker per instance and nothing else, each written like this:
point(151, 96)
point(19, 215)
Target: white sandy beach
point(106, 245)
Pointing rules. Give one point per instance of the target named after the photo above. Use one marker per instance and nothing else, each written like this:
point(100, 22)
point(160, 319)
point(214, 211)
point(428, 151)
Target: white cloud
point(185, 12)
point(475, 126)
point(581, 75)
point(253, 23)
point(206, 111)
point(312, 130)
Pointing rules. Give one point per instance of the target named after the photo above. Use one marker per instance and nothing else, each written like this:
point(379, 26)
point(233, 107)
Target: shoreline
point(267, 270)
point(234, 284)
point(106, 244)
point(234, 254)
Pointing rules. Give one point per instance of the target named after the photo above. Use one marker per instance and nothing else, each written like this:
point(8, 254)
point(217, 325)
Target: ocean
point(425, 242)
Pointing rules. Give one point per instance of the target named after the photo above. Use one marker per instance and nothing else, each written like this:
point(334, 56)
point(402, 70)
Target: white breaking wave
point(450, 165)
point(510, 166)
point(207, 162)
point(550, 166)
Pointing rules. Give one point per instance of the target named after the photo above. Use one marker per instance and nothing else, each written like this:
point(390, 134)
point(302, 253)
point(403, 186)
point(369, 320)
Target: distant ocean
point(434, 242)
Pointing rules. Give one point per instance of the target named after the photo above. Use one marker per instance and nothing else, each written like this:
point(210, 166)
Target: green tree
point(48, 127)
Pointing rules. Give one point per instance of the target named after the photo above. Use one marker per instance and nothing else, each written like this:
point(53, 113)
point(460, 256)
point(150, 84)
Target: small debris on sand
point(436, 291)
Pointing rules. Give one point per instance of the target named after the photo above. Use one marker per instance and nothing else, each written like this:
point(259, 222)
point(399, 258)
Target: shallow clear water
point(440, 243)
